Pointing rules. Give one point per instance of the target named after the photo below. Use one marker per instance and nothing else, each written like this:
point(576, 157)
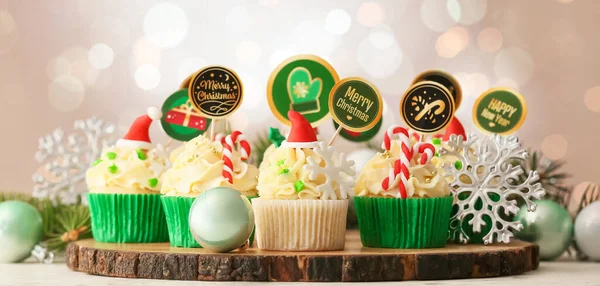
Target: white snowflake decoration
point(494, 184)
point(336, 166)
point(65, 159)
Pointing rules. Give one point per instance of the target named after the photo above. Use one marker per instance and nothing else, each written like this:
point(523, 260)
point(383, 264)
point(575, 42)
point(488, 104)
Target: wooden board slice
point(355, 263)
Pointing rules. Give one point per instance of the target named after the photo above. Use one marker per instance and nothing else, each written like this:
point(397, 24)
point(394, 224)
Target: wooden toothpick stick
point(335, 135)
point(212, 129)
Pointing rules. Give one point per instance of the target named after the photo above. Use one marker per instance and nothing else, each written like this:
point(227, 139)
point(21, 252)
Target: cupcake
point(415, 218)
point(304, 187)
point(124, 188)
point(198, 166)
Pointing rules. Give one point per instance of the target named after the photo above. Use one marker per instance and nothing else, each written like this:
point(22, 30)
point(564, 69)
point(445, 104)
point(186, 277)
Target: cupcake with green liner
point(124, 188)
point(304, 186)
point(196, 167)
point(386, 220)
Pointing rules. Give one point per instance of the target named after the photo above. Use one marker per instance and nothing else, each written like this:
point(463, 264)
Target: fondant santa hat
point(137, 136)
point(302, 134)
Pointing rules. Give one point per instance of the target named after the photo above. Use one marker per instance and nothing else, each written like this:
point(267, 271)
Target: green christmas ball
point(221, 219)
point(550, 226)
point(21, 229)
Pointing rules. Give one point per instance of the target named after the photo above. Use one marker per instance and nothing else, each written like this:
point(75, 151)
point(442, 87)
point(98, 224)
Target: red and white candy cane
point(426, 150)
point(220, 137)
point(401, 165)
point(228, 144)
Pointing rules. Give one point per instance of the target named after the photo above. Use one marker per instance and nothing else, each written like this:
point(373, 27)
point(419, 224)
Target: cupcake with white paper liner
point(304, 186)
point(124, 187)
point(413, 216)
point(198, 166)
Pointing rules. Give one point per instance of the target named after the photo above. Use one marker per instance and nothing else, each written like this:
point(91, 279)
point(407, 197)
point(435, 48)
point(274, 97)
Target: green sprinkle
point(97, 162)
point(458, 165)
point(299, 185)
point(113, 169)
point(153, 182)
point(141, 154)
point(280, 162)
point(284, 171)
point(437, 154)
point(436, 141)
point(111, 155)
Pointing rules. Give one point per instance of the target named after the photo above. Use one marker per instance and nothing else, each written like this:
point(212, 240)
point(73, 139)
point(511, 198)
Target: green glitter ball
point(111, 155)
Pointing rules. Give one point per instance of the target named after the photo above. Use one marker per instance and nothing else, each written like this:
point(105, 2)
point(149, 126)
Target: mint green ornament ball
point(221, 219)
point(587, 231)
point(550, 227)
point(21, 229)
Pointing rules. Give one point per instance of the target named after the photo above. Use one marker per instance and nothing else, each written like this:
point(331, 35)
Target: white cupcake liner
point(300, 225)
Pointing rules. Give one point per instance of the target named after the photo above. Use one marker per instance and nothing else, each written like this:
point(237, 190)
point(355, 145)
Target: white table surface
point(549, 273)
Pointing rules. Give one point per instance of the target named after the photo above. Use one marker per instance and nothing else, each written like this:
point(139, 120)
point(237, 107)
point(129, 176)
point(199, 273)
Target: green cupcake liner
point(122, 218)
point(177, 211)
point(403, 223)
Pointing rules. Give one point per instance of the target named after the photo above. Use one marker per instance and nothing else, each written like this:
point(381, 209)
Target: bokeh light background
point(67, 60)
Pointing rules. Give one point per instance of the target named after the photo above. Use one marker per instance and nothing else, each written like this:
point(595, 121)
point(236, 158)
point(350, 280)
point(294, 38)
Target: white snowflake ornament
point(338, 170)
point(65, 159)
point(487, 186)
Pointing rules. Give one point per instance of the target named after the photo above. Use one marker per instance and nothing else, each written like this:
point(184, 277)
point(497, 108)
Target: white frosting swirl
point(425, 180)
point(283, 175)
point(197, 166)
point(128, 170)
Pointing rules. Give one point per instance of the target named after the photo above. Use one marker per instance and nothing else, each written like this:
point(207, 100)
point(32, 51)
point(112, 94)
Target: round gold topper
point(355, 104)
point(445, 79)
point(427, 107)
point(499, 110)
point(216, 91)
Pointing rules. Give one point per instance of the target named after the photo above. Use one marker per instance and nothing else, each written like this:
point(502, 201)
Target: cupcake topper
point(138, 136)
point(302, 134)
point(426, 150)
point(302, 84)
point(500, 111)
point(487, 187)
point(445, 79)
point(355, 105)
point(229, 142)
point(216, 92)
point(427, 107)
point(181, 120)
